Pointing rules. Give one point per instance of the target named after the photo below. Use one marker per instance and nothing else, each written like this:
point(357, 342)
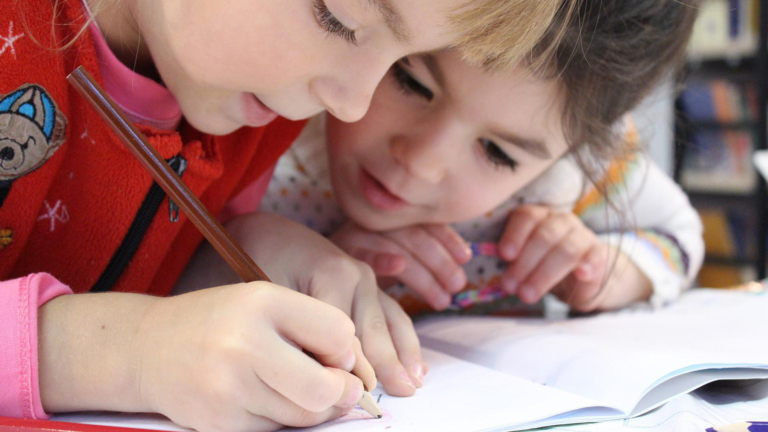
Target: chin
point(212, 124)
point(373, 221)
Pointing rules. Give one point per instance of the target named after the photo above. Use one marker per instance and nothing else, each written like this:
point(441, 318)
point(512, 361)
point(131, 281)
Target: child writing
point(205, 81)
point(445, 142)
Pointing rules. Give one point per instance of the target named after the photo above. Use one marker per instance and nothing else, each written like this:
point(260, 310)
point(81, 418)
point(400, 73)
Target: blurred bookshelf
point(721, 121)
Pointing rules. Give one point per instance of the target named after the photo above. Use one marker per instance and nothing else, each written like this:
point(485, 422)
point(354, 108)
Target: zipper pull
point(179, 165)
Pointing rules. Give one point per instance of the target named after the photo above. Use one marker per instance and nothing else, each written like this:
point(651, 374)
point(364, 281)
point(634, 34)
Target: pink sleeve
point(249, 199)
point(19, 301)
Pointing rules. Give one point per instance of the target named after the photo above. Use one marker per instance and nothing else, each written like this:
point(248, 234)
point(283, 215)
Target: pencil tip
point(379, 416)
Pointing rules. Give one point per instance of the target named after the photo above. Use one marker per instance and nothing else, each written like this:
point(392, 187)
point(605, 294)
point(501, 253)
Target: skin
point(428, 149)
point(220, 358)
point(293, 65)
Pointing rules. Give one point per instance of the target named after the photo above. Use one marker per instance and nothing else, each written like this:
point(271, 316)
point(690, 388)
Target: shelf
point(730, 261)
point(743, 69)
point(721, 198)
point(714, 124)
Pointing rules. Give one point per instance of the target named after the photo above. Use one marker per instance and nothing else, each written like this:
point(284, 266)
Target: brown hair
point(610, 56)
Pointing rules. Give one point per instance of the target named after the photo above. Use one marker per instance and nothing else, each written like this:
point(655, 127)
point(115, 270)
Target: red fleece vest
point(75, 202)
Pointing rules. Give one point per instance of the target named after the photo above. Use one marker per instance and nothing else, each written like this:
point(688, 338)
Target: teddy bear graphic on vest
point(31, 130)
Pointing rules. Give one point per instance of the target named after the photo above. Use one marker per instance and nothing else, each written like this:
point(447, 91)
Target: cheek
point(242, 46)
point(479, 191)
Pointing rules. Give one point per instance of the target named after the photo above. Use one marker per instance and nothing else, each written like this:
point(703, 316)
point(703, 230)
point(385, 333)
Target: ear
point(59, 134)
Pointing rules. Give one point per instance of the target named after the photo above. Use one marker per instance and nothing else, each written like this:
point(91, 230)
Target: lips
point(378, 195)
point(255, 112)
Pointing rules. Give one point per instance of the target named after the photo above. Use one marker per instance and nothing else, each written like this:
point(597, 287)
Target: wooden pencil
point(176, 189)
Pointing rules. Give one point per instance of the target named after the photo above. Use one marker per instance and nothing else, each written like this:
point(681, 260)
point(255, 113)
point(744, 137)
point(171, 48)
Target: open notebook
point(499, 374)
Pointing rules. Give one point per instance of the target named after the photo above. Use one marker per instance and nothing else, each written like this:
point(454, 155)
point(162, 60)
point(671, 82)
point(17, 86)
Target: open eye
point(330, 24)
point(409, 84)
point(496, 155)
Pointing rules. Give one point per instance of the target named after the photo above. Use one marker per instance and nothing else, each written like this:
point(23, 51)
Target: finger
point(456, 246)
point(581, 296)
point(320, 328)
point(593, 265)
point(587, 294)
point(266, 404)
point(433, 256)
point(423, 283)
point(378, 345)
point(558, 263)
point(363, 368)
point(382, 263)
point(300, 378)
point(404, 337)
point(543, 238)
point(520, 225)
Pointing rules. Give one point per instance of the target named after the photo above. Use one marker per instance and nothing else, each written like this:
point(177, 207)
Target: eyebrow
point(532, 146)
point(393, 19)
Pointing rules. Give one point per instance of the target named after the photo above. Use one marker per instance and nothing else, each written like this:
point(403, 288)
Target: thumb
point(382, 263)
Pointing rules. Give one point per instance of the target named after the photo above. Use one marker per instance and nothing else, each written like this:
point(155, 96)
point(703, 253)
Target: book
point(499, 374)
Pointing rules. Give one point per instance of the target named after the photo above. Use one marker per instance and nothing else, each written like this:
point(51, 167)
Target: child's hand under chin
point(552, 251)
point(426, 258)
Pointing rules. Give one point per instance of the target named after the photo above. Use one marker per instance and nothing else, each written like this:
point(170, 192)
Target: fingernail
point(345, 411)
point(528, 293)
point(404, 377)
point(425, 367)
point(509, 251)
point(458, 281)
point(349, 360)
point(510, 285)
point(467, 251)
point(354, 397)
point(418, 375)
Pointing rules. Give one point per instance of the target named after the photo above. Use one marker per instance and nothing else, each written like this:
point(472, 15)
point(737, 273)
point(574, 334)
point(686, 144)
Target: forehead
point(426, 21)
point(514, 100)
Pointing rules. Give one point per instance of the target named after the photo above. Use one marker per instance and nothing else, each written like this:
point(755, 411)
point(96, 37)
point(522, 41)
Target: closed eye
point(331, 24)
point(410, 85)
point(496, 155)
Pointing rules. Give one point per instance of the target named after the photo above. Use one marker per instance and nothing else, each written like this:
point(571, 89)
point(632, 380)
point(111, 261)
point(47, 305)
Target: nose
point(347, 94)
point(424, 156)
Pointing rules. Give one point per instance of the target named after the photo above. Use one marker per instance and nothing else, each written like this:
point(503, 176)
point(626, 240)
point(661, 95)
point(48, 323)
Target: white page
point(462, 397)
point(694, 412)
point(614, 358)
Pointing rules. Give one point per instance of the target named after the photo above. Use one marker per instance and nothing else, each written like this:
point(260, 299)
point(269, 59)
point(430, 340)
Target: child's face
point(444, 142)
point(241, 62)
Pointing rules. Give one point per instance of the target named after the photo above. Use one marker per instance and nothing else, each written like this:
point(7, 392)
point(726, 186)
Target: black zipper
point(138, 229)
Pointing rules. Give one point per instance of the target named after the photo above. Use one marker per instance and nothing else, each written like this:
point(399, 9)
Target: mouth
point(378, 195)
point(256, 113)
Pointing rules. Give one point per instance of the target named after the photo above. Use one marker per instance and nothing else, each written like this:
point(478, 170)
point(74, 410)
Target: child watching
point(78, 213)
point(446, 143)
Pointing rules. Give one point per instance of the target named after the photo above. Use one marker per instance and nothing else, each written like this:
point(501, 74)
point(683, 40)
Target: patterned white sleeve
point(650, 219)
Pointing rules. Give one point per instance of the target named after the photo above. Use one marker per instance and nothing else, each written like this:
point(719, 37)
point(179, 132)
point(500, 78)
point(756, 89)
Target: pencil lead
point(379, 416)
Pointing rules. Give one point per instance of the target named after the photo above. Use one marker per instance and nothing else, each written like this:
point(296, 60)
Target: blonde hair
point(55, 43)
point(498, 34)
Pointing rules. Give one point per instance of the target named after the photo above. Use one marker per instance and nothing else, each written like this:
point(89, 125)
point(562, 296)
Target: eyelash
point(409, 85)
point(496, 155)
point(330, 24)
